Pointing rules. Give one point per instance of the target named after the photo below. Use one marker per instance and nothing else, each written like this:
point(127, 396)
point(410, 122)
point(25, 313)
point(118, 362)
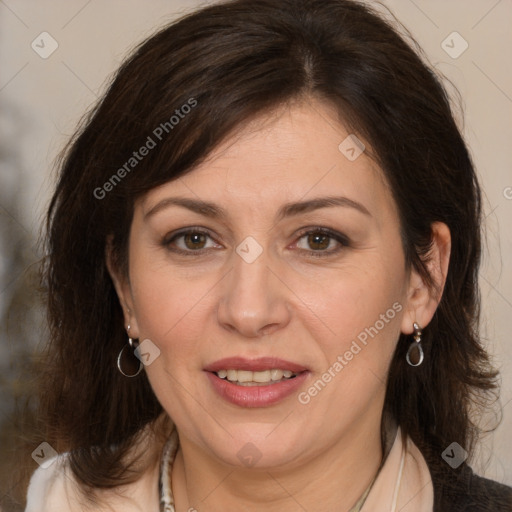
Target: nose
point(254, 300)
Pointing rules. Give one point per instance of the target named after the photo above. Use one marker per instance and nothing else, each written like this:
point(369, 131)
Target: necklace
point(169, 454)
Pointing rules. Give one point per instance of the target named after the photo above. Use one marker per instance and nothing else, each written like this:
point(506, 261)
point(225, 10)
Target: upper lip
point(255, 365)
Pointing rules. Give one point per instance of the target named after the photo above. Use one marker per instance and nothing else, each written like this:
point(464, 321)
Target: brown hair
point(235, 60)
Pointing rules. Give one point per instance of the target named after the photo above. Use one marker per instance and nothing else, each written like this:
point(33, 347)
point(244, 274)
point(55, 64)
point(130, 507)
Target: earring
point(415, 353)
point(127, 361)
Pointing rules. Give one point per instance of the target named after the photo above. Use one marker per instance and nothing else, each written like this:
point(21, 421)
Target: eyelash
point(339, 237)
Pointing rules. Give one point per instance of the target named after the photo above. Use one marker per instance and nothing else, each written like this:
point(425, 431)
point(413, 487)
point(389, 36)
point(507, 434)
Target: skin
point(197, 309)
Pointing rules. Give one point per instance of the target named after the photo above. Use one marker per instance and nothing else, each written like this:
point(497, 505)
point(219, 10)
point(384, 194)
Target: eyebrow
point(288, 210)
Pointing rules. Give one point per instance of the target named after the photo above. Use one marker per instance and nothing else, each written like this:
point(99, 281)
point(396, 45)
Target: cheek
point(361, 314)
point(348, 301)
point(361, 318)
point(163, 306)
point(171, 308)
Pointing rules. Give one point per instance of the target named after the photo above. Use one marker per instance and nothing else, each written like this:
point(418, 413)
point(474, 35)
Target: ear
point(422, 301)
point(123, 289)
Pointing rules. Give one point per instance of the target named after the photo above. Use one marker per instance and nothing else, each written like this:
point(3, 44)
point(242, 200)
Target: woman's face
point(296, 256)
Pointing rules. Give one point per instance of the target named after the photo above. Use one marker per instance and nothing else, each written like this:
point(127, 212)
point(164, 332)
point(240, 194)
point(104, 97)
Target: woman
point(262, 282)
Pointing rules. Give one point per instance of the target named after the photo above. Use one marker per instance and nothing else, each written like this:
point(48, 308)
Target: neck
point(332, 480)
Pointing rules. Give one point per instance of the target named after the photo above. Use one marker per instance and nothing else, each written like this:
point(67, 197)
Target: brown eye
point(318, 241)
point(194, 240)
point(189, 242)
point(322, 242)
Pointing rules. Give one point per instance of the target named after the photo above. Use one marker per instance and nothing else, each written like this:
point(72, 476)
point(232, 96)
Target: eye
point(318, 242)
point(321, 242)
point(189, 241)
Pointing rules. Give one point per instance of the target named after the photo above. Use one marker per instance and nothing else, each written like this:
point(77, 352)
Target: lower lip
point(256, 396)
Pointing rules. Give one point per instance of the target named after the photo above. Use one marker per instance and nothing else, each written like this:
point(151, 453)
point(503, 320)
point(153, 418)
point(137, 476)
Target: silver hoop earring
point(415, 353)
point(130, 362)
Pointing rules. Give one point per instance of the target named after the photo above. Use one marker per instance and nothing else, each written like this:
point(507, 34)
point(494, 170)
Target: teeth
point(276, 374)
point(244, 376)
point(248, 378)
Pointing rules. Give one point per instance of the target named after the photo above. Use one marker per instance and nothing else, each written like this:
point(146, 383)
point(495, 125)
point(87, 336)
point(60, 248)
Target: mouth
point(255, 382)
point(261, 378)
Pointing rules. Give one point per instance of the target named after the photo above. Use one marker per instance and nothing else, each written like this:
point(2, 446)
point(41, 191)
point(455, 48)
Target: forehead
point(298, 151)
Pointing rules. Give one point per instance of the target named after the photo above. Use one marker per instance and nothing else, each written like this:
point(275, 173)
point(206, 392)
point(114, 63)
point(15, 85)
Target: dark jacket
point(460, 490)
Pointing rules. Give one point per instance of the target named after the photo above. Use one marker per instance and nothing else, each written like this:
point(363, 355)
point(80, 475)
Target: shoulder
point(462, 490)
point(52, 488)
